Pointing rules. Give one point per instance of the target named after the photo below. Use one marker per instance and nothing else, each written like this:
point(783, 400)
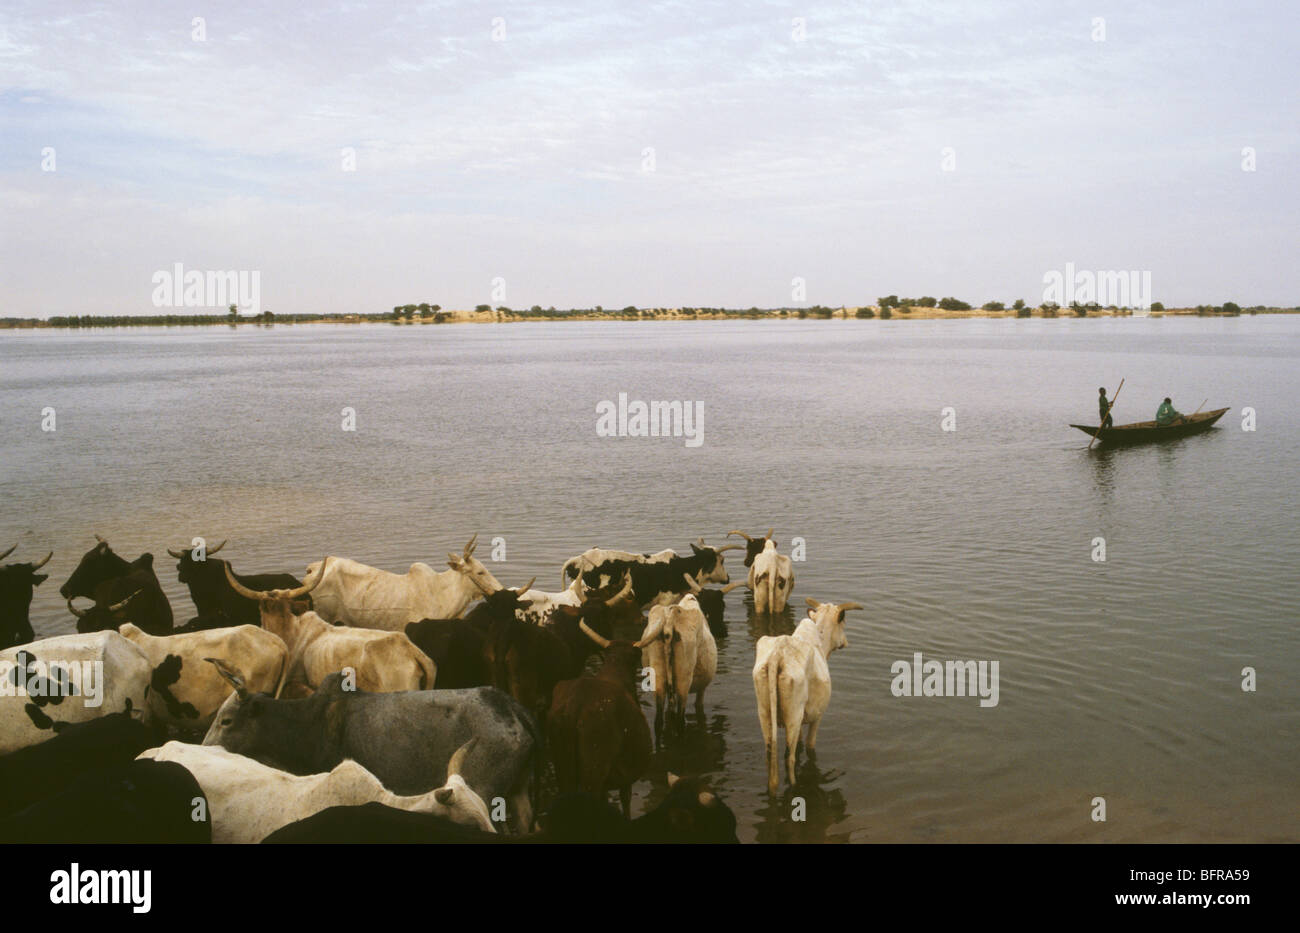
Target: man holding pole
point(1104, 406)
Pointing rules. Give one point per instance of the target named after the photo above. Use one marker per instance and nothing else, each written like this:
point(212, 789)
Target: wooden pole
point(1108, 408)
point(1200, 406)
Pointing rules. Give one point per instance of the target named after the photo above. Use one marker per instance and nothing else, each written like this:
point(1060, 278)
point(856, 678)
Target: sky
point(652, 154)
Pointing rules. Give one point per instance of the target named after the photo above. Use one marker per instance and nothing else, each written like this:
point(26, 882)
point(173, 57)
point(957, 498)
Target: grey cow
point(405, 739)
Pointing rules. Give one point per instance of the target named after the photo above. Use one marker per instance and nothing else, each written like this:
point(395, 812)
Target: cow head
point(243, 724)
point(467, 564)
point(278, 607)
point(622, 658)
point(712, 603)
point(829, 621)
point(456, 800)
point(189, 570)
point(97, 565)
point(753, 546)
point(711, 568)
point(17, 581)
point(692, 813)
point(101, 617)
point(598, 610)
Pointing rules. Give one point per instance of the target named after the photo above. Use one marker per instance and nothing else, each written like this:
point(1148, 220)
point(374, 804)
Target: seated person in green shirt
point(1167, 414)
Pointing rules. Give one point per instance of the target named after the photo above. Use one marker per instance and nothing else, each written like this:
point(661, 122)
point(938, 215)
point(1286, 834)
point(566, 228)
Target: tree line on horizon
point(885, 307)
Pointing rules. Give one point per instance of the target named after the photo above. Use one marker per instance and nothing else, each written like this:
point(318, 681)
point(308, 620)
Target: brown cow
point(598, 735)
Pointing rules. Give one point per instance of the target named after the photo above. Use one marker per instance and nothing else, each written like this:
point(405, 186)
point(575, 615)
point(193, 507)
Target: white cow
point(792, 681)
point(69, 678)
point(354, 594)
point(771, 578)
point(680, 649)
point(383, 662)
point(186, 690)
point(247, 800)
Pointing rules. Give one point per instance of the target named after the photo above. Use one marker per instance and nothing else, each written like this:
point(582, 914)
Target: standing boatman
point(1104, 406)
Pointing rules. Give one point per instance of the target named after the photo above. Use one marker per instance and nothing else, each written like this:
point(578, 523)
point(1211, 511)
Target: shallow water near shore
point(1118, 679)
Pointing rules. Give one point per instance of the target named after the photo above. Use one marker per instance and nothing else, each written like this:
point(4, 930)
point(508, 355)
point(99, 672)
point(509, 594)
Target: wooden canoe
point(1142, 431)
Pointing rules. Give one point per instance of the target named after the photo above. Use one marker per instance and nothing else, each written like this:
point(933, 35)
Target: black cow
point(527, 661)
point(17, 581)
point(216, 599)
point(691, 813)
point(140, 802)
point(654, 578)
point(110, 581)
point(458, 647)
point(39, 771)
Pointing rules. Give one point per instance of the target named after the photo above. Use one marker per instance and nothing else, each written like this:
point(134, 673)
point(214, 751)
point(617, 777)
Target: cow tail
point(429, 670)
point(286, 666)
point(774, 703)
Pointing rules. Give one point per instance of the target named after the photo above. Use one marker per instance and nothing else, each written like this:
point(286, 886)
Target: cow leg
point(811, 743)
point(625, 798)
point(699, 706)
point(793, 726)
point(659, 718)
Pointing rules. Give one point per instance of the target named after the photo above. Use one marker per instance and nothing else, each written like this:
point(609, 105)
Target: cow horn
point(728, 547)
point(176, 554)
point(306, 587)
point(242, 590)
point(118, 607)
point(731, 586)
point(741, 533)
point(593, 635)
point(768, 536)
point(42, 563)
point(527, 586)
point(812, 603)
point(695, 587)
point(100, 540)
point(652, 631)
point(219, 547)
point(457, 763)
point(75, 611)
point(469, 548)
point(231, 676)
point(8, 552)
point(627, 588)
point(845, 607)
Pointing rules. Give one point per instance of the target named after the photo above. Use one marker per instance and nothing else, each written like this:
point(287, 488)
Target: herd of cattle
point(358, 705)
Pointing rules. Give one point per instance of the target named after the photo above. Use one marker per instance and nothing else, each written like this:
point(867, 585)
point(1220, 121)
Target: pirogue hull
point(1141, 432)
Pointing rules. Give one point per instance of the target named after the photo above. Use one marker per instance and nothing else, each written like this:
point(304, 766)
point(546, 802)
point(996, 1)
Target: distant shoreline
point(503, 316)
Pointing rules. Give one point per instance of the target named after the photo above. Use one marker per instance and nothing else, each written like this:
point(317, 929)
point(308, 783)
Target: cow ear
point(695, 550)
point(444, 795)
point(39, 578)
point(673, 779)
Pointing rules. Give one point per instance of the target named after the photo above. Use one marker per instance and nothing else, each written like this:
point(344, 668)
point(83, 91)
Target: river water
point(1120, 679)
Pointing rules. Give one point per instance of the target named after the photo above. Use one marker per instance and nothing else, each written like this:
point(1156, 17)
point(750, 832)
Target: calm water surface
point(1119, 679)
